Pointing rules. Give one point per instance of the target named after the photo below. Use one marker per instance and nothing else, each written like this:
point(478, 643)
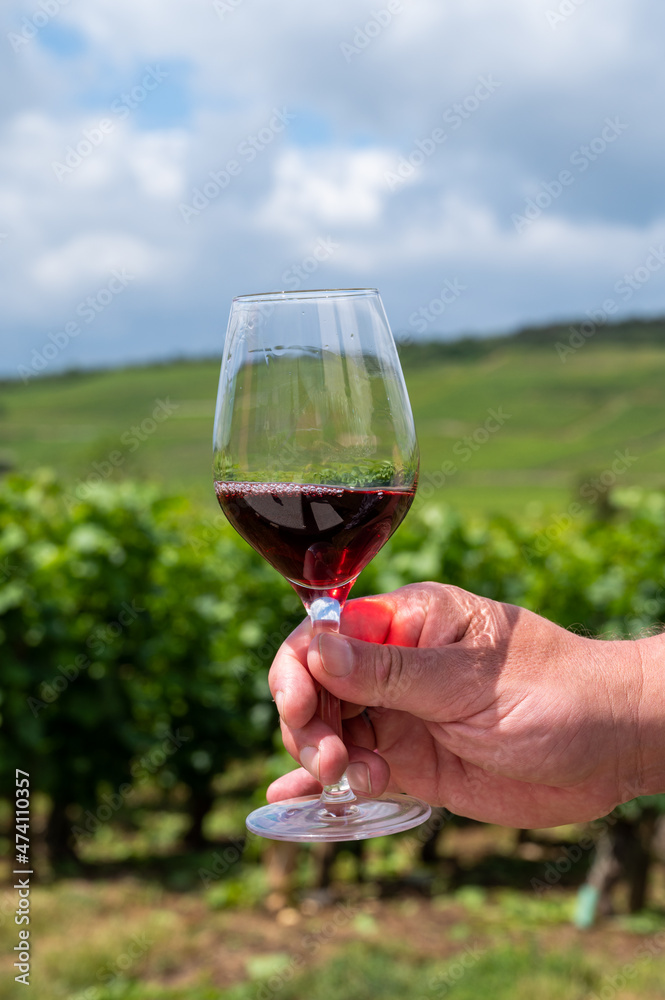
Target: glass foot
point(308, 820)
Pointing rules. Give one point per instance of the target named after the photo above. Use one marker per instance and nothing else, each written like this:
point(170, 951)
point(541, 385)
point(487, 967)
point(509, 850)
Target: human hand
point(485, 708)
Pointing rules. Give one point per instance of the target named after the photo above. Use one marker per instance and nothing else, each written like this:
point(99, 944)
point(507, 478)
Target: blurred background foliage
point(136, 640)
point(126, 653)
point(136, 631)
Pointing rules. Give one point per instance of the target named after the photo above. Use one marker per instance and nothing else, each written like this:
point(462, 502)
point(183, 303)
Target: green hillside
point(502, 423)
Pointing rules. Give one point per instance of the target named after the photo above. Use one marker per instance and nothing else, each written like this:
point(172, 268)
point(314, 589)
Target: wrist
point(648, 691)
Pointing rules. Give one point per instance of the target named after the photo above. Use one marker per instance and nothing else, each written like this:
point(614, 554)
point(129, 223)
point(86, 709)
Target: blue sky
point(158, 158)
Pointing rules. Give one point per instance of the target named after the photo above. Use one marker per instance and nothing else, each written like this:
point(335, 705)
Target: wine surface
point(318, 537)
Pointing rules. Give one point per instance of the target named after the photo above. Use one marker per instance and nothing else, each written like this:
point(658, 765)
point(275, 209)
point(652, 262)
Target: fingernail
point(358, 775)
point(336, 655)
point(309, 758)
point(279, 701)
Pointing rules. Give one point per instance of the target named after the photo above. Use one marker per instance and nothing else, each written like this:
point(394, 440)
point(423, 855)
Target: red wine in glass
point(318, 537)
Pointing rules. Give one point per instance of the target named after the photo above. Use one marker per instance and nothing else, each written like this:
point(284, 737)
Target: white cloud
point(120, 205)
point(74, 266)
point(156, 161)
point(342, 188)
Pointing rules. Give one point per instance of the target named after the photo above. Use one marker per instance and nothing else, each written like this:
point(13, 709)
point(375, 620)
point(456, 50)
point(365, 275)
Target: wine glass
point(315, 465)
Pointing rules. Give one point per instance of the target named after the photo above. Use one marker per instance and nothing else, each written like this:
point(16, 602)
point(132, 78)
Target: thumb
point(410, 679)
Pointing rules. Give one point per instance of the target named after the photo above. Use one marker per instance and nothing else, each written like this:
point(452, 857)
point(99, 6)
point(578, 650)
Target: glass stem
point(325, 614)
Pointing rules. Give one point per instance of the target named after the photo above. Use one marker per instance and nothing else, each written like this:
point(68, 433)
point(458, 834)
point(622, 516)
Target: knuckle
point(390, 671)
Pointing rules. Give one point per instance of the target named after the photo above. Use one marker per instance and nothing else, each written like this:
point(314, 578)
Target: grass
point(561, 424)
point(371, 973)
point(127, 940)
point(149, 927)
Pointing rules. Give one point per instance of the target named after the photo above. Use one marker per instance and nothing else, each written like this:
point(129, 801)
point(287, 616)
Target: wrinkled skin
point(481, 707)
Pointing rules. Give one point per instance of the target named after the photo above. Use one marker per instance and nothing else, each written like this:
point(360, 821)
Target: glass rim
point(313, 293)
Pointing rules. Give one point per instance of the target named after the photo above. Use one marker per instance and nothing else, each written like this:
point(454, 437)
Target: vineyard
point(136, 631)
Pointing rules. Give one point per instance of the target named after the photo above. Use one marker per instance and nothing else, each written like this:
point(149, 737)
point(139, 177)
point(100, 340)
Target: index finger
point(291, 684)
